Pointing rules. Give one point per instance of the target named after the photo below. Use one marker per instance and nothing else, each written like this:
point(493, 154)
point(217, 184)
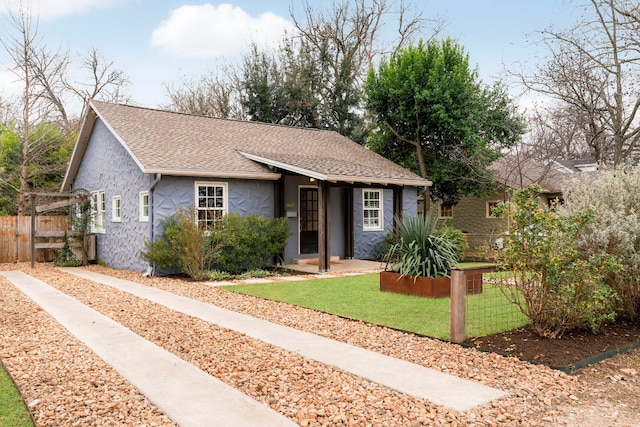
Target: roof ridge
point(159, 110)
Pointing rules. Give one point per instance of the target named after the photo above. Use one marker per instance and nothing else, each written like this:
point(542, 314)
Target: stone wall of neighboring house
point(107, 166)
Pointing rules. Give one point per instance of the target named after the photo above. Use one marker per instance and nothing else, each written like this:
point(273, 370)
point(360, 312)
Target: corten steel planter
point(429, 287)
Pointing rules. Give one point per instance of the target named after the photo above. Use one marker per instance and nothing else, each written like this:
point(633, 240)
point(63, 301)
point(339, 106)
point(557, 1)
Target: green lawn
point(359, 297)
point(13, 413)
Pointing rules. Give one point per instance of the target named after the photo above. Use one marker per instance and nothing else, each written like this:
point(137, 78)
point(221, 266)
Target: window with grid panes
point(372, 219)
point(211, 204)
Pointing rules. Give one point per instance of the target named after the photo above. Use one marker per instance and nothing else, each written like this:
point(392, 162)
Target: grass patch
point(359, 297)
point(13, 412)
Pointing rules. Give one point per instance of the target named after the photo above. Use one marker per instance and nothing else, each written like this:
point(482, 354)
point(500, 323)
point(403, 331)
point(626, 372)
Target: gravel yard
point(65, 384)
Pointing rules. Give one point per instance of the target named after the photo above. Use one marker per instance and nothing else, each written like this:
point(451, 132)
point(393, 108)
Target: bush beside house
point(237, 243)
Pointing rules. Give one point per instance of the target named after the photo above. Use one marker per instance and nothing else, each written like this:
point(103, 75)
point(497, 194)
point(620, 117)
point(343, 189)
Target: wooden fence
point(15, 237)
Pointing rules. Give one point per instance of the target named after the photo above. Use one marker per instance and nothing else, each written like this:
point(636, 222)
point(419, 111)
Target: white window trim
point(142, 216)
point(225, 195)
point(116, 209)
point(380, 209)
point(488, 209)
point(440, 216)
point(98, 208)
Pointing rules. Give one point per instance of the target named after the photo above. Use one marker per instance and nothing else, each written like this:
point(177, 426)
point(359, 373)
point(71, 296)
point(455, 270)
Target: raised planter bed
point(428, 287)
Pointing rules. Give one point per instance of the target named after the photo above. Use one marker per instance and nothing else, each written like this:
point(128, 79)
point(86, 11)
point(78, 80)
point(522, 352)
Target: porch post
point(324, 247)
point(279, 211)
point(348, 229)
point(397, 206)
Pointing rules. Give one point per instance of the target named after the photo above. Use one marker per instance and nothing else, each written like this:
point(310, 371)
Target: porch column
point(279, 211)
point(348, 227)
point(397, 206)
point(278, 202)
point(324, 246)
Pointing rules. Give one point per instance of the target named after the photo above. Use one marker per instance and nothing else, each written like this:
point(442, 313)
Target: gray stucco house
point(142, 164)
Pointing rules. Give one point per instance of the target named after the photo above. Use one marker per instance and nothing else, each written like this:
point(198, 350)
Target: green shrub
point(185, 246)
point(236, 244)
point(250, 242)
point(423, 249)
point(614, 197)
point(555, 285)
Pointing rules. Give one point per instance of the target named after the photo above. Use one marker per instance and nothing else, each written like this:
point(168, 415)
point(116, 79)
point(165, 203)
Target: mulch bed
point(571, 348)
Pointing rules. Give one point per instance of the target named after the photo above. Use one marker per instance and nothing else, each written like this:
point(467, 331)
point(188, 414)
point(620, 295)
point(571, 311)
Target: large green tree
point(433, 115)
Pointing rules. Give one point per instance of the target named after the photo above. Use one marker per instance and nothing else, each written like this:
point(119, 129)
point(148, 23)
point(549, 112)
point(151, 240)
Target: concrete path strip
point(188, 395)
point(410, 378)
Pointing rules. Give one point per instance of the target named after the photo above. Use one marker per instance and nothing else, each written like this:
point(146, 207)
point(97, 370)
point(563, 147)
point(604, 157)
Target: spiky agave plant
point(423, 249)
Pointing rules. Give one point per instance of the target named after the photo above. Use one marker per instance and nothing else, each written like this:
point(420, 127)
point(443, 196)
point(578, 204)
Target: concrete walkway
point(412, 379)
point(188, 395)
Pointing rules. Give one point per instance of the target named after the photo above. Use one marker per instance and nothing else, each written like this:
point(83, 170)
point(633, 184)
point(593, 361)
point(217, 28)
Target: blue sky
point(156, 42)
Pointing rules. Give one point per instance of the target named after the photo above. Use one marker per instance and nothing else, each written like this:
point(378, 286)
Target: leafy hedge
point(236, 244)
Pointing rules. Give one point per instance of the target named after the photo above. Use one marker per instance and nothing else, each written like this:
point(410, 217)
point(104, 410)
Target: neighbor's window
point(97, 224)
point(144, 206)
point(445, 211)
point(211, 203)
point(116, 209)
point(491, 206)
point(372, 210)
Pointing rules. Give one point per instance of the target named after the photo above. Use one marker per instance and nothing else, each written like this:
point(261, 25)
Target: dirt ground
point(57, 374)
point(569, 350)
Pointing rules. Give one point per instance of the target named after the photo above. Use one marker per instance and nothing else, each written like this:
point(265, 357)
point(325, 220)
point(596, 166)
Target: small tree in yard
point(554, 284)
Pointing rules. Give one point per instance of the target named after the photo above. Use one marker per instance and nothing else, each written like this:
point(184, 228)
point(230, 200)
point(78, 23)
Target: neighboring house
point(474, 215)
point(141, 165)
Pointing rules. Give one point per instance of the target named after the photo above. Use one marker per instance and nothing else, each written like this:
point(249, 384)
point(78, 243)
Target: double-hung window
point(143, 208)
point(97, 212)
point(372, 219)
point(116, 209)
point(211, 203)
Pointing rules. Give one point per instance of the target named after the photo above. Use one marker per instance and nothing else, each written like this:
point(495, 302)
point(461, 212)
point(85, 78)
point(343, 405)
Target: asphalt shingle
point(181, 144)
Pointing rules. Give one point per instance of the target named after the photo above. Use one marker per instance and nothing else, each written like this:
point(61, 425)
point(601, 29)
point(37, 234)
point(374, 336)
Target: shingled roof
point(178, 144)
point(513, 171)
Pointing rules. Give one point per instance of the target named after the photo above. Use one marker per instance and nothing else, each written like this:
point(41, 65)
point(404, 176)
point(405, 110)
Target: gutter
point(151, 268)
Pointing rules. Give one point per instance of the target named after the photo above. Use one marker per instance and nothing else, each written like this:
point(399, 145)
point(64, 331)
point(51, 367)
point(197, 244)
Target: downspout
point(151, 268)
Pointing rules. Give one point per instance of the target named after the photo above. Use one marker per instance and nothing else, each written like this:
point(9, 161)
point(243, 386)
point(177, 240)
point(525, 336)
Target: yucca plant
point(423, 249)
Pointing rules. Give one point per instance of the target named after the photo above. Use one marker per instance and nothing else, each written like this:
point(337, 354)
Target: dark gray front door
point(308, 220)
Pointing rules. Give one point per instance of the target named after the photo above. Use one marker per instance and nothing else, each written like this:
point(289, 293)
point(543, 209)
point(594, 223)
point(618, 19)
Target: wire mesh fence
point(489, 310)
point(486, 308)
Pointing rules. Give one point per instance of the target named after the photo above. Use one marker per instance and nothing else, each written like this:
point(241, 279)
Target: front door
point(308, 220)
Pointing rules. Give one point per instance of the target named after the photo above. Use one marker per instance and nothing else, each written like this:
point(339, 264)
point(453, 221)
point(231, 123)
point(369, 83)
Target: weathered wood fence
point(15, 237)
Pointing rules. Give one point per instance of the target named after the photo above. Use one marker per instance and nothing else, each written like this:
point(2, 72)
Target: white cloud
point(48, 10)
point(207, 30)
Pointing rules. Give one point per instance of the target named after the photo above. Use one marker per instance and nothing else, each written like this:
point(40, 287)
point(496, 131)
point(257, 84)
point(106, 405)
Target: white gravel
point(66, 385)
